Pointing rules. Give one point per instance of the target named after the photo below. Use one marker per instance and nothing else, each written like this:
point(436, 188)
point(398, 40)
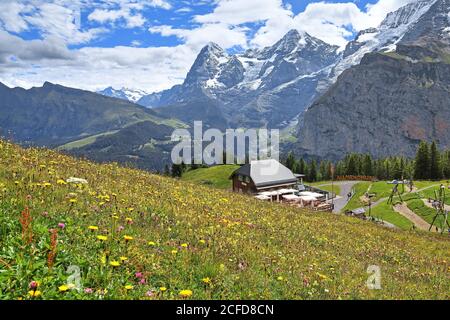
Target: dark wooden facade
point(243, 184)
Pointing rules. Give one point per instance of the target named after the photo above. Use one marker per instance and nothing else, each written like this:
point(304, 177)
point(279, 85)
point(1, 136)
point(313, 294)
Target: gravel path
point(341, 200)
point(411, 216)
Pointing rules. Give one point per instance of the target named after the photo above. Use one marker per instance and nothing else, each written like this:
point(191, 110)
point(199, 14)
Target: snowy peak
point(214, 49)
point(405, 15)
point(207, 65)
point(404, 24)
point(433, 24)
point(294, 42)
point(132, 95)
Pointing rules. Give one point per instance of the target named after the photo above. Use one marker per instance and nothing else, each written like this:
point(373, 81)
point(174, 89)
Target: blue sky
point(150, 44)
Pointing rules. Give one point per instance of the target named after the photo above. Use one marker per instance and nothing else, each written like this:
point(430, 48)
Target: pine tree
point(323, 171)
point(446, 164)
point(352, 166)
point(290, 162)
point(435, 171)
point(396, 169)
point(367, 165)
point(312, 176)
point(422, 164)
point(387, 169)
point(302, 167)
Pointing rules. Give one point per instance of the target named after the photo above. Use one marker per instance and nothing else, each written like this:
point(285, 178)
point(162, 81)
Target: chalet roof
point(267, 173)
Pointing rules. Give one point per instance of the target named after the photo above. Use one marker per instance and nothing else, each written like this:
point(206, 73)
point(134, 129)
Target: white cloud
point(62, 18)
point(331, 22)
point(10, 17)
point(15, 49)
point(31, 62)
point(222, 34)
point(104, 16)
point(55, 20)
point(184, 10)
point(235, 12)
point(127, 10)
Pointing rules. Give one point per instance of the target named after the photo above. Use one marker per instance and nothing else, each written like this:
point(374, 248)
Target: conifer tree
point(367, 165)
point(312, 176)
point(422, 164)
point(435, 171)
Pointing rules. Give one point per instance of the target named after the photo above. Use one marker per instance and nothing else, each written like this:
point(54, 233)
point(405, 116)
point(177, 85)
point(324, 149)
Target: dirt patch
point(411, 216)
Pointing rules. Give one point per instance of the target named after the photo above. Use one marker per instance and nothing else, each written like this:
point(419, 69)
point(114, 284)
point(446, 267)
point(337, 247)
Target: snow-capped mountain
point(274, 86)
point(132, 95)
point(257, 88)
point(398, 27)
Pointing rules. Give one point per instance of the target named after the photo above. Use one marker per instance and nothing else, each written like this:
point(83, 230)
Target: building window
point(240, 178)
point(247, 179)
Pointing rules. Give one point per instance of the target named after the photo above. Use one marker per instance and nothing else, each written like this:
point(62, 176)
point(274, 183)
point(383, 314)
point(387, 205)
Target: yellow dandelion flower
point(206, 280)
point(185, 293)
point(34, 294)
point(128, 238)
point(174, 251)
point(63, 288)
point(61, 182)
point(151, 243)
point(129, 287)
point(280, 278)
point(72, 200)
point(163, 289)
point(93, 228)
point(123, 259)
point(202, 241)
point(102, 238)
point(184, 245)
point(115, 263)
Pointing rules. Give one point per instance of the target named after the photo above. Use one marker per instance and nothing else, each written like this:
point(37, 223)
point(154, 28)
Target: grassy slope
point(336, 189)
point(385, 212)
point(360, 189)
point(84, 142)
point(217, 176)
point(326, 186)
point(249, 249)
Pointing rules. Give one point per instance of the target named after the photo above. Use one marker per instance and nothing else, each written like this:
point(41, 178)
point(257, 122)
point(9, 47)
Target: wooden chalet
point(263, 175)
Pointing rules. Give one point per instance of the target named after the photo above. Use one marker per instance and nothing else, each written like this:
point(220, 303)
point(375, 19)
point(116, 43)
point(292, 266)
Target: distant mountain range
point(87, 124)
point(132, 95)
point(389, 89)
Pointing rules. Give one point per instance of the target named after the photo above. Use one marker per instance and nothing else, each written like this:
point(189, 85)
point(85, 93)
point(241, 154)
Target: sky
point(151, 44)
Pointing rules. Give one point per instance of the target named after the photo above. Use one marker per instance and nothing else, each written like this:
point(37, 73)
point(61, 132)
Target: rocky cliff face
point(384, 106)
point(392, 89)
